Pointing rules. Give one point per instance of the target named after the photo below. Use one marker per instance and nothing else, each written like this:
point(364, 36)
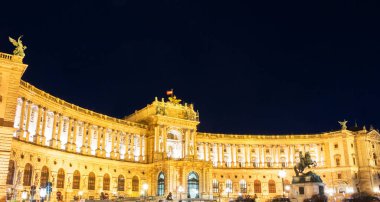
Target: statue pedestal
point(304, 187)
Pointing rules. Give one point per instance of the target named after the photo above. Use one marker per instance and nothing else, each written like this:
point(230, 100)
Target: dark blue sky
point(249, 67)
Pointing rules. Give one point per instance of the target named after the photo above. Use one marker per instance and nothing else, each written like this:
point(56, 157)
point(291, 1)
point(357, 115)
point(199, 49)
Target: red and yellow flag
point(169, 92)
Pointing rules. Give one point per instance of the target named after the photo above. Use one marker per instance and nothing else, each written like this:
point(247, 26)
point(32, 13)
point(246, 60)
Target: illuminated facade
point(81, 152)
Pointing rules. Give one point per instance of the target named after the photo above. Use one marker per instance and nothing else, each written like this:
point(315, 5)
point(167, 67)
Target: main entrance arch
point(193, 185)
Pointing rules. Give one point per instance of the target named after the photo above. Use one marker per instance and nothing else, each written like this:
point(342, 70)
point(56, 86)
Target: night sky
point(248, 67)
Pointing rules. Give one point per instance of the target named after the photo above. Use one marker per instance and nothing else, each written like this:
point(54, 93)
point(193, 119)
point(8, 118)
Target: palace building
point(83, 153)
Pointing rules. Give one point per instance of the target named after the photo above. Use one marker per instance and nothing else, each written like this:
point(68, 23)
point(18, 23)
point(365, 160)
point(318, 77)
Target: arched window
point(228, 186)
point(44, 176)
point(135, 183)
point(91, 181)
point(269, 162)
point(76, 180)
point(337, 159)
point(254, 163)
point(272, 186)
point(61, 178)
point(28, 171)
point(106, 182)
point(257, 186)
point(193, 185)
point(120, 183)
point(375, 159)
point(11, 172)
point(243, 186)
point(283, 162)
point(215, 186)
point(161, 184)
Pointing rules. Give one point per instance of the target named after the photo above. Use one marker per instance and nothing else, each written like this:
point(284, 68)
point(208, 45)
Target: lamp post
point(282, 174)
point(42, 193)
point(145, 188)
point(24, 195)
point(80, 193)
point(228, 190)
point(287, 188)
point(180, 190)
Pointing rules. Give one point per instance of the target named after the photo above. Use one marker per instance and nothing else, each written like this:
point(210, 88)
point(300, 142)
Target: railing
point(13, 58)
point(77, 108)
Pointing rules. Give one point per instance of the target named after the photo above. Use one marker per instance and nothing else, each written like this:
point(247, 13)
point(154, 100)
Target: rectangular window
point(337, 161)
point(354, 161)
point(339, 176)
point(321, 190)
point(215, 186)
point(267, 150)
point(302, 190)
point(336, 146)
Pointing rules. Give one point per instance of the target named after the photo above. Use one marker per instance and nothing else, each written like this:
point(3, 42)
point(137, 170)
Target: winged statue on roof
point(19, 47)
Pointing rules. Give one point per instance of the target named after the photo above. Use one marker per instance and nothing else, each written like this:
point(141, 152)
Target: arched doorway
point(161, 184)
point(193, 185)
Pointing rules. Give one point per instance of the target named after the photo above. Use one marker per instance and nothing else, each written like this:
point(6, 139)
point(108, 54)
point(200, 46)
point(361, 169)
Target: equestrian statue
point(305, 162)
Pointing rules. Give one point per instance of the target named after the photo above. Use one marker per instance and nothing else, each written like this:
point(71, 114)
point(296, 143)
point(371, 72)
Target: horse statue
point(305, 162)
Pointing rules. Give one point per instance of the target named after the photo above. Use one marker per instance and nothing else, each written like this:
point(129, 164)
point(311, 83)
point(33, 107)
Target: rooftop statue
point(19, 50)
point(343, 124)
point(305, 162)
point(174, 100)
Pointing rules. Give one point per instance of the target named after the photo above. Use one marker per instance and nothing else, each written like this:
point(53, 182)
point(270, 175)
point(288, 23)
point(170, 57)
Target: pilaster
point(11, 70)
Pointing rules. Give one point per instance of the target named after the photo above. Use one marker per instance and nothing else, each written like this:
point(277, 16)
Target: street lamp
point(145, 188)
point(42, 193)
point(282, 174)
point(287, 189)
point(180, 190)
point(24, 195)
point(80, 193)
point(228, 190)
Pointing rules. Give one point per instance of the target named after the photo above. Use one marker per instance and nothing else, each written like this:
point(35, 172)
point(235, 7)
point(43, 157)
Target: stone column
point(140, 143)
point(207, 151)
point(144, 149)
point(164, 135)
point(75, 135)
point(234, 154)
point(133, 146)
point(53, 140)
point(185, 142)
point(247, 155)
point(28, 121)
point(98, 151)
point(44, 127)
point(69, 143)
point(22, 116)
point(263, 155)
point(38, 135)
point(104, 143)
point(84, 138)
point(60, 125)
point(112, 136)
point(117, 144)
point(89, 134)
point(204, 151)
point(156, 138)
